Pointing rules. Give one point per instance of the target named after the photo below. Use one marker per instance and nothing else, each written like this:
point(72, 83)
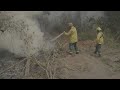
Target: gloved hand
point(64, 32)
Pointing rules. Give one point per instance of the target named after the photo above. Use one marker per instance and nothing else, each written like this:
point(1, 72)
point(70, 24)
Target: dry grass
point(44, 65)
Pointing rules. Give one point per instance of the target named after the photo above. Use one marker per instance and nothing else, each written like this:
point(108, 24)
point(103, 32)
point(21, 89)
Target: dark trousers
point(73, 46)
point(98, 49)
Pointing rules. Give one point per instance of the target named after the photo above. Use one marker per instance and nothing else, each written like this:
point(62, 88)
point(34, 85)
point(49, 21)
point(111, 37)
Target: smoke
point(22, 34)
point(20, 31)
point(83, 13)
point(94, 14)
point(74, 15)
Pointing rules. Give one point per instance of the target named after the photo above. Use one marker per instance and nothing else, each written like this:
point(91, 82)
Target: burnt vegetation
point(47, 64)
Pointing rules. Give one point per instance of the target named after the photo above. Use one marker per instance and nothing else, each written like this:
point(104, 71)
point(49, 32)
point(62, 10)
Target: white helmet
point(99, 29)
point(70, 24)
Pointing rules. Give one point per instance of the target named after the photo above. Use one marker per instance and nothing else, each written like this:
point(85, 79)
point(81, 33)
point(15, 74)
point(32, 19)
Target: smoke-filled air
point(59, 44)
point(22, 34)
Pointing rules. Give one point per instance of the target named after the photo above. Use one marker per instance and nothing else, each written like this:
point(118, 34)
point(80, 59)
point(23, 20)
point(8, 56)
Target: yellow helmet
point(99, 29)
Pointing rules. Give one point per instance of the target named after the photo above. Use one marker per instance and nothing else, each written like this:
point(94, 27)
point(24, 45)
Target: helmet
point(70, 24)
point(99, 29)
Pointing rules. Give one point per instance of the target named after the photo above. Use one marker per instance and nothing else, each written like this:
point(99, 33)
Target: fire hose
point(57, 37)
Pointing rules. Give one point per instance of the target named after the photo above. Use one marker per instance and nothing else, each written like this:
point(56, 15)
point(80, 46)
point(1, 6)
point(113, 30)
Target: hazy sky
point(54, 14)
point(88, 13)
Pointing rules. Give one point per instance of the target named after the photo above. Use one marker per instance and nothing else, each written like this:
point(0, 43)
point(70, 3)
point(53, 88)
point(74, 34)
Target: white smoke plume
point(22, 34)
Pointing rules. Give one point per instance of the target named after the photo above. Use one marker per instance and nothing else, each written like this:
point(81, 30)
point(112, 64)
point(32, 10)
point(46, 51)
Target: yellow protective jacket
point(72, 35)
point(100, 38)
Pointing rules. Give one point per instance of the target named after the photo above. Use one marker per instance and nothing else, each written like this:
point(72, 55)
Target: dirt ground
point(84, 65)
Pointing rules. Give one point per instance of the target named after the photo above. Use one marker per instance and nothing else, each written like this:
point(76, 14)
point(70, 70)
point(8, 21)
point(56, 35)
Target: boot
point(70, 53)
point(77, 52)
point(95, 52)
point(99, 55)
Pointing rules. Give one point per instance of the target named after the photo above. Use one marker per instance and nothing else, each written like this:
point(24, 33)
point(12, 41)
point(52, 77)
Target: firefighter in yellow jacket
point(73, 38)
point(99, 41)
